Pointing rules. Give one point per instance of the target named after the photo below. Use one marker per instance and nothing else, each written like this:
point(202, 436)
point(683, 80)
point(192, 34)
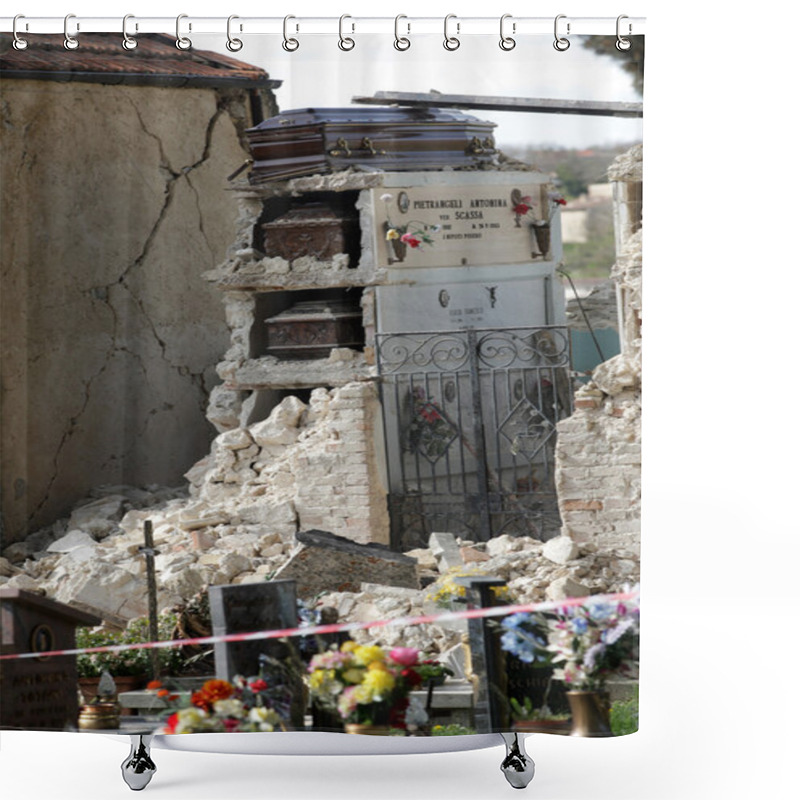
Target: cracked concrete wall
point(114, 202)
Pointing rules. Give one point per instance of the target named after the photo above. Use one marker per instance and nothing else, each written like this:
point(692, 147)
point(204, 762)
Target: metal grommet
point(128, 42)
point(289, 44)
point(234, 45)
point(622, 44)
point(70, 42)
point(181, 42)
point(451, 42)
point(401, 42)
point(561, 43)
point(506, 42)
point(345, 42)
point(19, 44)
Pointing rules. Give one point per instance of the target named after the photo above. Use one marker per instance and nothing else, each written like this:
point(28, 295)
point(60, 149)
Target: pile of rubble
point(92, 561)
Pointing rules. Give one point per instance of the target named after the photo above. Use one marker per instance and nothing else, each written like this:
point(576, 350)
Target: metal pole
point(152, 594)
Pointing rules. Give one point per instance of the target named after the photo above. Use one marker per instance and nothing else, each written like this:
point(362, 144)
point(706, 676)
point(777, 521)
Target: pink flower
point(404, 656)
point(410, 240)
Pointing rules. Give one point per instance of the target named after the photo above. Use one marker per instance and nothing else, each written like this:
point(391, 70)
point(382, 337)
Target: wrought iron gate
point(469, 422)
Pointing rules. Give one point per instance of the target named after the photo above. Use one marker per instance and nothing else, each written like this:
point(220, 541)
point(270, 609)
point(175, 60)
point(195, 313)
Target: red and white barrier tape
point(345, 627)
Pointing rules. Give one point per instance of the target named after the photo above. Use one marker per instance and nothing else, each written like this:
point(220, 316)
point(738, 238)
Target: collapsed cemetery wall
point(598, 452)
point(109, 333)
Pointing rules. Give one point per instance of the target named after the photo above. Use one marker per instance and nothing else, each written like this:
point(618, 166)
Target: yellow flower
point(319, 677)
point(373, 665)
point(353, 675)
point(392, 234)
point(365, 654)
point(348, 647)
point(378, 682)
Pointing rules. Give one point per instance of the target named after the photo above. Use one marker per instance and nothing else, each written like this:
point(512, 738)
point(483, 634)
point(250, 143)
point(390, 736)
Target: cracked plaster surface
point(117, 200)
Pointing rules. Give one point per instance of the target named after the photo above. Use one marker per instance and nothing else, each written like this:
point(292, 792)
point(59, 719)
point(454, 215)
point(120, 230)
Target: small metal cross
point(152, 594)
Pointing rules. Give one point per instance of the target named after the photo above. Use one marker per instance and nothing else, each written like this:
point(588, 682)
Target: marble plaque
point(449, 225)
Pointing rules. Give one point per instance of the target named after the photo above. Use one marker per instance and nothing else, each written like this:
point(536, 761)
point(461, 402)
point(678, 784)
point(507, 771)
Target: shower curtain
point(337, 335)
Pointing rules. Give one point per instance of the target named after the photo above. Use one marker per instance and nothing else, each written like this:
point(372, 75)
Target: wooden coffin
point(312, 329)
point(322, 140)
point(314, 229)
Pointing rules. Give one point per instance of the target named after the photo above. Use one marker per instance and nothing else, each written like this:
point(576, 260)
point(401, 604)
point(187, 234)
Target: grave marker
point(38, 693)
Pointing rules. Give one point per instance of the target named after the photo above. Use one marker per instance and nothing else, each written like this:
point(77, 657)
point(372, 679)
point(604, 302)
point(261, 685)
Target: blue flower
point(515, 621)
point(579, 625)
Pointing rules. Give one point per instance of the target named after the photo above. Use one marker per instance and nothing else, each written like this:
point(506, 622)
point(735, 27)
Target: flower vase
point(370, 730)
point(399, 249)
point(542, 233)
point(589, 714)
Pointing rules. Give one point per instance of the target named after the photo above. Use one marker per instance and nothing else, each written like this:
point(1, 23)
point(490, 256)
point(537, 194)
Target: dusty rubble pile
point(91, 560)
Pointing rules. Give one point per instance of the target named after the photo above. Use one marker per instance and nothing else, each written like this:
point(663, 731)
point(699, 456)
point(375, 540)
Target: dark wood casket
point(322, 140)
point(312, 329)
point(314, 229)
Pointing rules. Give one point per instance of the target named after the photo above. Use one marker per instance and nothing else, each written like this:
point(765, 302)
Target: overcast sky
point(319, 74)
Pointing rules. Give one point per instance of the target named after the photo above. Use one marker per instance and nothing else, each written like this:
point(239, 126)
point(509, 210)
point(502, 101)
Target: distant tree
point(631, 61)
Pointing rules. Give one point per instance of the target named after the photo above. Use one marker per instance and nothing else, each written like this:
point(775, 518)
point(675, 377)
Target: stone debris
point(322, 562)
point(560, 550)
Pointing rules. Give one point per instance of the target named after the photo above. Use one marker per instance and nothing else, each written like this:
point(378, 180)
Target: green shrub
point(624, 716)
point(128, 662)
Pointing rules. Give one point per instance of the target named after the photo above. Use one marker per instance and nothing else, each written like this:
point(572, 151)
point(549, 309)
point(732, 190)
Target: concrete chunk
point(561, 550)
point(445, 550)
point(322, 561)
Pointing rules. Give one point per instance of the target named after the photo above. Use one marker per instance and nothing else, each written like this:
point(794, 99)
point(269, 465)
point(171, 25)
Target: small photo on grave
point(321, 387)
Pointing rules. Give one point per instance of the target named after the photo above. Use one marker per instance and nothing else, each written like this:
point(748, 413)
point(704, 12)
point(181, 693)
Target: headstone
point(326, 562)
point(38, 693)
point(252, 607)
point(486, 658)
point(248, 608)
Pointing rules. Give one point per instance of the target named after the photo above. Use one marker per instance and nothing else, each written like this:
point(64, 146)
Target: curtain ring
point(234, 45)
point(345, 42)
point(128, 42)
point(401, 42)
point(19, 44)
point(70, 42)
point(289, 44)
point(451, 42)
point(561, 43)
point(622, 44)
point(506, 42)
point(181, 42)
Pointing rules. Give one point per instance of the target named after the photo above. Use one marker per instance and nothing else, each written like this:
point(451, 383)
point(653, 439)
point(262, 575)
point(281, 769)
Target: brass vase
point(589, 714)
point(99, 716)
point(369, 730)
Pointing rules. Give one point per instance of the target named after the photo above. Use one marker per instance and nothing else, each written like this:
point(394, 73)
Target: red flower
point(560, 200)
point(412, 676)
point(410, 240)
point(154, 685)
point(521, 209)
point(163, 693)
point(429, 413)
point(230, 724)
point(212, 691)
point(259, 685)
point(172, 723)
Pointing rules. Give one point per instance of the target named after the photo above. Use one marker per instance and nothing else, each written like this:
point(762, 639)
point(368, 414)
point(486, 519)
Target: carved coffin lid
point(316, 311)
point(310, 140)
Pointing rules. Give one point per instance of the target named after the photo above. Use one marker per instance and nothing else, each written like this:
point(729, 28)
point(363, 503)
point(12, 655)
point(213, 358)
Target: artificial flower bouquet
point(587, 643)
point(243, 705)
point(367, 684)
